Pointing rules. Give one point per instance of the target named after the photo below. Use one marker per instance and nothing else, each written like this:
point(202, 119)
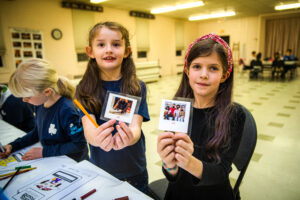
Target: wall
point(44, 16)
point(243, 30)
point(48, 14)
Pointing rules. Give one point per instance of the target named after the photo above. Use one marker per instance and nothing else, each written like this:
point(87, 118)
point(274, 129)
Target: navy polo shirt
point(59, 130)
point(131, 160)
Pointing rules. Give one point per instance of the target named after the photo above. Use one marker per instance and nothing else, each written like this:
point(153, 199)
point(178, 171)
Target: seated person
point(253, 54)
point(14, 111)
point(57, 126)
point(288, 55)
point(256, 66)
point(277, 65)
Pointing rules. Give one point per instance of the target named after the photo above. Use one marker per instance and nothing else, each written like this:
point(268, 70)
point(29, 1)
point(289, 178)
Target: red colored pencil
point(88, 194)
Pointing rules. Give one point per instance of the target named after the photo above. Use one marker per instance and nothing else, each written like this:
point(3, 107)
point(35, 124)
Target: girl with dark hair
point(118, 149)
point(198, 165)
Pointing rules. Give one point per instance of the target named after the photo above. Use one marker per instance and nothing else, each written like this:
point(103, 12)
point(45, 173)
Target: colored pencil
point(85, 112)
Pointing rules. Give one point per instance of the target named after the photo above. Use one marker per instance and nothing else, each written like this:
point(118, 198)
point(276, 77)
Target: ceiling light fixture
point(215, 15)
point(287, 6)
point(177, 7)
point(96, 1)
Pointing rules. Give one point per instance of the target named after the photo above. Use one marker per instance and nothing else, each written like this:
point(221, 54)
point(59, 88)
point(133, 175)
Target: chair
point(245, 150)
point(157, 189)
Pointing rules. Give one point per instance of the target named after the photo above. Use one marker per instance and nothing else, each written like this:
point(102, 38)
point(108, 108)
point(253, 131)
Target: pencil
point(85, 112)
point(4, 176)
point(88, 194)
point(5, 186)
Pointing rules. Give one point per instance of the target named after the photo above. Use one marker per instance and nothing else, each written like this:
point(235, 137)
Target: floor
point(273, 172)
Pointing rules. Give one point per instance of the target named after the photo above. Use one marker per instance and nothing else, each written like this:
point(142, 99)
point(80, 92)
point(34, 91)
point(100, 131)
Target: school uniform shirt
point(131, 160)
point(214, 183)
point(59, 130)
point(16, 112)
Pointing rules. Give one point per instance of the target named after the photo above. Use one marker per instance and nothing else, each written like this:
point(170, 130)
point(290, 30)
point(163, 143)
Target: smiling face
point(109, 50)
point(205, 75)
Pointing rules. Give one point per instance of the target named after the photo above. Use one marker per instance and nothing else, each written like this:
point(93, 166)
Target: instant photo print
point(120, 107)
point(175, 115)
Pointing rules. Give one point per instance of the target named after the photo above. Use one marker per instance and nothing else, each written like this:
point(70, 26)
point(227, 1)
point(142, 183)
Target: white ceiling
point(242, 8)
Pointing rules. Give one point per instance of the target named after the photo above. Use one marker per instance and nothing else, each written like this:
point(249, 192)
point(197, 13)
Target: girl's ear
point(225, 76)
point(186, 71)
point(48, 92)
point(127, 52)
point(89, 51)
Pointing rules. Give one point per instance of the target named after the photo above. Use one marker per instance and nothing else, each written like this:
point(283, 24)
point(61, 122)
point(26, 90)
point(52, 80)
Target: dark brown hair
point(223, 104)
point(90, 87)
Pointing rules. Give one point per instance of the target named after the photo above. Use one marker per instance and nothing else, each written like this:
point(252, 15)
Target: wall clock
point(56, 34)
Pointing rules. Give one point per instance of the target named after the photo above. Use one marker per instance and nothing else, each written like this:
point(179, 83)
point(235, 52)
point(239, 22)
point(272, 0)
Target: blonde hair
point(34, 76)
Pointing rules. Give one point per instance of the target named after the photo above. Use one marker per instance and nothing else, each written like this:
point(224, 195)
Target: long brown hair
point(90, 87)
point(223, 103)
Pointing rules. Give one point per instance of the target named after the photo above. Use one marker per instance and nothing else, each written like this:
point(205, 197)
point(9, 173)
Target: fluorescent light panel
point(178, 7)
point(215, 15)
point(96, 1)
point(287, 6)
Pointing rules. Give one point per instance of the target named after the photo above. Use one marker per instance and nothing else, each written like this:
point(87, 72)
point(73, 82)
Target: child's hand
point(184, 149)
point(124, 137)
point(7, 149)
point(104, 138)
point(165, 148)
point(33, 153)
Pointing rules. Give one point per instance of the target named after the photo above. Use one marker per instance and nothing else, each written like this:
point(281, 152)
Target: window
point(178, 52)
point(142, 54)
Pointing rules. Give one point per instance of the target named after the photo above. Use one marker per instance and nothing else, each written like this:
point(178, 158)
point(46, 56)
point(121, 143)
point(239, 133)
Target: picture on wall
point(27, 44)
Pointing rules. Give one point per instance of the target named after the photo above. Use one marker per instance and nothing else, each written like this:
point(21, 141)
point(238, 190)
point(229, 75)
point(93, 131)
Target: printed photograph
point(27, 54)
point(37, 36)
point(37, 45)
point(18, 62)
point(38, 54)
point(15, 35)
point(175, 115)
point(26, 36)
point(17, 44)
point(17, 53)
point(27, 44)
point(120, 107)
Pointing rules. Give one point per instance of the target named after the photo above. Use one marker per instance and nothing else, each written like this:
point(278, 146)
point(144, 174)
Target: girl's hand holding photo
point(103, 135)
point(165, 149)
point(184, 149)
point(124, 137)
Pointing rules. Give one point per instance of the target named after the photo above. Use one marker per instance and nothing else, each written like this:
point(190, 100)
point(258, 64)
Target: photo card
point(176, 115)
point(120, 106)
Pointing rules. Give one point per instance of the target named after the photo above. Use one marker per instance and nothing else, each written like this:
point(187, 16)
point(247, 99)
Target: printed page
point(54, 185)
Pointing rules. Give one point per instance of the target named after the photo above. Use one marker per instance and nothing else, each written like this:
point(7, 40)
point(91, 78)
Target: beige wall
point(244, 31)
point(46, 15)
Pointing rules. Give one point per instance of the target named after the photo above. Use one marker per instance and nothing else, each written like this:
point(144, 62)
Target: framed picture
point(120, 106)
point(26, 44)
point(175, 115)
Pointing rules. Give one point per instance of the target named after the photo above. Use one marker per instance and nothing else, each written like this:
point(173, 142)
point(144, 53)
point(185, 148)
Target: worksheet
point(15, 159)
point(55, 184)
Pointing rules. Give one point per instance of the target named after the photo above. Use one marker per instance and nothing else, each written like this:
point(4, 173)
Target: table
point(86, 177)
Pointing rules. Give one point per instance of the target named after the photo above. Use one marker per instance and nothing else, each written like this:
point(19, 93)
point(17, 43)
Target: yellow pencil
point(85, 112)
point(22, 170)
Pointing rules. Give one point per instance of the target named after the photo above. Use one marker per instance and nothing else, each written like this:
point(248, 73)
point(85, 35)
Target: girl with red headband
point(198, 165)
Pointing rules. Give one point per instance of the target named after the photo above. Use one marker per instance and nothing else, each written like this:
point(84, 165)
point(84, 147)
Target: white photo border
point(177, 126)
point(105, 115)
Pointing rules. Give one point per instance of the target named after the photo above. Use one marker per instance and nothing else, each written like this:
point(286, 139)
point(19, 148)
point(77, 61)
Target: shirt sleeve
point(143, 109)
point(214, 173)
point(73, 131)
point(27, 140)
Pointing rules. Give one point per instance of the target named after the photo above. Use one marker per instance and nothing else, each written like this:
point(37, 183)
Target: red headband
point(217, 39)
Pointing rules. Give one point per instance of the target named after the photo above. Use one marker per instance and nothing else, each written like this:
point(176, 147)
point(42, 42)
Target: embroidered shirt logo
point(52, 129)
